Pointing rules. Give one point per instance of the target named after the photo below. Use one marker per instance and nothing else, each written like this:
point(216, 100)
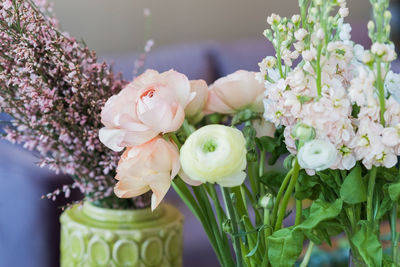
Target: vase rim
point(120, 215)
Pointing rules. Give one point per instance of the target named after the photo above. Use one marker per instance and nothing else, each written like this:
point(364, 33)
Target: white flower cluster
point(335, 93)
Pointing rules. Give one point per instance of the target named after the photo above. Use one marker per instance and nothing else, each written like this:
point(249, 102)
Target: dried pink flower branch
point(54, 89)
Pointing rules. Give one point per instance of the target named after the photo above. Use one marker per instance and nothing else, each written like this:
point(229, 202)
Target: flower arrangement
point(336, 110)
point(326, 105)
point(54, 88)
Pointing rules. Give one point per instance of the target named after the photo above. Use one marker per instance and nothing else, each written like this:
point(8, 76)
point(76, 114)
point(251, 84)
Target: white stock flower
point(343, 12)
point(317, 155)
point(344, 31)
point(392, 85)
point(215, 154)
point(300, 34)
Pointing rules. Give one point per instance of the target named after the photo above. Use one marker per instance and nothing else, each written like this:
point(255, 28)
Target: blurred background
point(118, 25)
point(203, 39)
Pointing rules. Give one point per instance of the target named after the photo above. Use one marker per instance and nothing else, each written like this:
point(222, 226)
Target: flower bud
point(266, 202)
point(268, 33)
point(367, 57)
point(387, 15)
point(288, 162)
point(317, 2)
point(300, 34)
point(303, 132)
point(274, 19)
point(343, 12)
point(371, 26)
point(296, 19)
point(320, 34)
point(227, 226)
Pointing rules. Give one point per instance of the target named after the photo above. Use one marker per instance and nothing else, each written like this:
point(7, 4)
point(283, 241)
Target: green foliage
point(354, 190)
point(320, 219)
point(285, 247)
point(368, 245)
point(394, 191)
point(274, 145)
point(250, 134)
point(389, 175)
point(273, 180)
point(309, 186)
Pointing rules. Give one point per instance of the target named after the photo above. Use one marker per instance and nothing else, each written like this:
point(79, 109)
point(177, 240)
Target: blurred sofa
point(29, 228)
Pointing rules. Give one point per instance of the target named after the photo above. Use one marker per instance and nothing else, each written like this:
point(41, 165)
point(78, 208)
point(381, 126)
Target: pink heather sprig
point(54, 89)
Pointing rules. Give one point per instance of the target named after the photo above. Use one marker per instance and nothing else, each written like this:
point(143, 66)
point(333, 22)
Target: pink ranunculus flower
point(237, 91)
point(150, 166)
point(153, 103)
point(194, 111)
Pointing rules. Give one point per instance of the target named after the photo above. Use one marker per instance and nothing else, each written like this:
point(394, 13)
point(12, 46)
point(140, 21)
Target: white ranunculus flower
point(317, 155)
point(392, 85)
point(215, 154)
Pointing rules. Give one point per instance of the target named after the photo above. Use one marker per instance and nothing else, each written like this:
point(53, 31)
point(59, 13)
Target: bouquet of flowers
point(336, 110)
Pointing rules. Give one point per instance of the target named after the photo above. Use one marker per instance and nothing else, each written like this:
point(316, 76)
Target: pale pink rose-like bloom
point(150, 166)
point(153, 103)
point(194, 110)
point(235, 92)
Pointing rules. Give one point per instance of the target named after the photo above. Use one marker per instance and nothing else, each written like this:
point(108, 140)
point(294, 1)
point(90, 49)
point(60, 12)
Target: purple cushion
point(29, 228)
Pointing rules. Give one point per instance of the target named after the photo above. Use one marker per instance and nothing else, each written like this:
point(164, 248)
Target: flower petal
point(112, 138)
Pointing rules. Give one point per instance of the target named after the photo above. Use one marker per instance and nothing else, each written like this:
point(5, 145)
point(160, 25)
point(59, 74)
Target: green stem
point(262, 163)
point(253, 181)
point(393, 231)
point(299, 207)
point(278, 53)
point(370, 196)
point(307, 257)
point(218, 234)
point(176, 140)
point(232, 216)
point(319, 71)
point(286, 197)
point(187, 197)
point(279, 196)
point(381, 91)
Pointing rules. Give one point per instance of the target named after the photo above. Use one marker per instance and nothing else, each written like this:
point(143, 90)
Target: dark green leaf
point(267, 143)
point(353, 190)
point(388, 174)
point(285, 247)
point(368, 245)
point(272, 179)
point(394, 191)
point(328, 179)
point(321, 211)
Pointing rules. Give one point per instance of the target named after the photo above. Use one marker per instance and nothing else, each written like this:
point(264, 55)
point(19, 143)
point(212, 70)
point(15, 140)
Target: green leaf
point(388, 174)
point(273, 179)
point(285, 247)
point(353, 190)
point(384, 207)
point(368, 245)
point(309, 187)
point(321, 211)
point(394, 191)
point(267, 143)
point(328, 179)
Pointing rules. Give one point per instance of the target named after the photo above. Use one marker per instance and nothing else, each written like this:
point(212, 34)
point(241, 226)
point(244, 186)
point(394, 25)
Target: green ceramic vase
point(93, 236)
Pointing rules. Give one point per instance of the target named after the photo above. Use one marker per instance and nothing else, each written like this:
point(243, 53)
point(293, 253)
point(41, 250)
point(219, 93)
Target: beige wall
point(118, 25)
